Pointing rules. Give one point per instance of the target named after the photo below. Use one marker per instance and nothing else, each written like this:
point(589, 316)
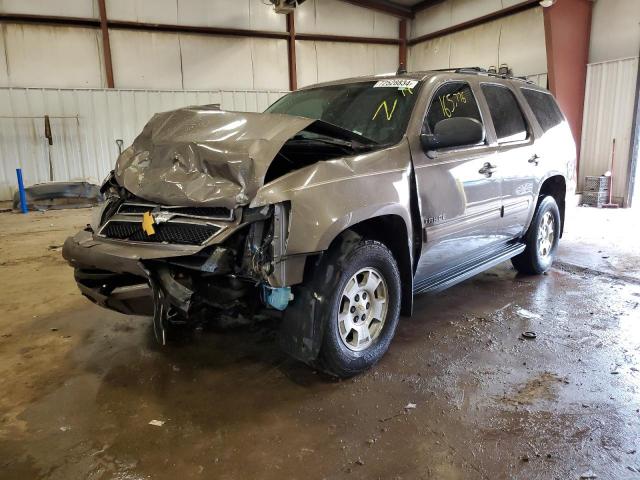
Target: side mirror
point(453, 132)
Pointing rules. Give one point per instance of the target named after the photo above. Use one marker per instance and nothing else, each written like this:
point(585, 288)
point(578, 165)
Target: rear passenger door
point(516, 157)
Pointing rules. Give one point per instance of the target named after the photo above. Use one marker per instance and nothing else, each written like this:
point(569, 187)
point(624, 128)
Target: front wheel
point(362, 311)
point(541, 239)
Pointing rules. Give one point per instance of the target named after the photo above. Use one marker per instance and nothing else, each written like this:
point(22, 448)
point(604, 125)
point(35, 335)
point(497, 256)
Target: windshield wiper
point(353, 146)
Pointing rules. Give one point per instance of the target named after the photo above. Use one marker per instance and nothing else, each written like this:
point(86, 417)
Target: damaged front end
point(197, 262)
point(176, 238)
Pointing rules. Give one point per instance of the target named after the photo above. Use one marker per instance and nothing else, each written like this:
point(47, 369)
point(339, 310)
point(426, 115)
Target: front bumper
point(113, 274)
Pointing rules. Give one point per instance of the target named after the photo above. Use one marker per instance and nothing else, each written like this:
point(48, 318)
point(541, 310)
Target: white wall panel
point(233, 62)
point(454, 12)
point(432, 19)
point(4, 73)
point(522, 42)
point(85, 124)
point(326, 61)
point(608, 114)
point(465, 10)
point(477, 46)
point(36, 55)
point(145, 60)
point(144, 11)
point(430, 55)
point(307, 63)
point(615, 30)
point(491, 44)
point(244, 14)
point(216, 62)
point(340, 18)
point(270, 64)
point(67, 8)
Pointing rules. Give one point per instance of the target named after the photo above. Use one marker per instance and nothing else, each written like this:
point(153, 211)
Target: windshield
point(376, 110)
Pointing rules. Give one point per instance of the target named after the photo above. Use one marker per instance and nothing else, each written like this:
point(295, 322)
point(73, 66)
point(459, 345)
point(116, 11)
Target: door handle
point(535, 159)
point(487, 169)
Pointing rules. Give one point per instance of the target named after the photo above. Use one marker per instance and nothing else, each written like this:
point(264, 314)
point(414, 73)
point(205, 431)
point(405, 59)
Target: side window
point(452, 100)
point(544, 107)
point(507, 116)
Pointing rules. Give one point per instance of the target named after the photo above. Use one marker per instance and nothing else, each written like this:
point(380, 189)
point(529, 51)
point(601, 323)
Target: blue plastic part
point(23, 195)
point(277, 298)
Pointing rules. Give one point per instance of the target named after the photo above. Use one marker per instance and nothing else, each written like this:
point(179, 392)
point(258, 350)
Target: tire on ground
point(340, 265)
point(530, 261)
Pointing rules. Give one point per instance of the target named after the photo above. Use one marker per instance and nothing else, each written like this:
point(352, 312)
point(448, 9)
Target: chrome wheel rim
point(546, 234)
point(363, 309)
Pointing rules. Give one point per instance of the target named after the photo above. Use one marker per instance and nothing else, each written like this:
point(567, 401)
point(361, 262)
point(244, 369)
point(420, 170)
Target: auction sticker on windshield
point(396, 83)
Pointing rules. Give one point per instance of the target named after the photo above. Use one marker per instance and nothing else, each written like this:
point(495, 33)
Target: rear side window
point(453, 99)
point(544, 107)
point(507, 117)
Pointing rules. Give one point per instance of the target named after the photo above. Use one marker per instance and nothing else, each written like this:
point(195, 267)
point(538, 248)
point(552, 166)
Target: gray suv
point(331, 209)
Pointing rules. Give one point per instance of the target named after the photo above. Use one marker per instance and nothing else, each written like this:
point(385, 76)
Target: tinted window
point(453, 99)
point(506, 114)
point(544, 108)
point(378, 113)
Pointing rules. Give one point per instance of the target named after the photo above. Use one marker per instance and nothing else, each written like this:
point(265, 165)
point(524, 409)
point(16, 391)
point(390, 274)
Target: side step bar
point(468, 269)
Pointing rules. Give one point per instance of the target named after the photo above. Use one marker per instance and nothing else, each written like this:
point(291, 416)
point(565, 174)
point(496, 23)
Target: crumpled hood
point(203, 156)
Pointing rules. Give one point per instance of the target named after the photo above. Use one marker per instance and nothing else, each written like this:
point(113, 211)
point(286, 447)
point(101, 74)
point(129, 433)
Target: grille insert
point(172, 232)
point(213, 212)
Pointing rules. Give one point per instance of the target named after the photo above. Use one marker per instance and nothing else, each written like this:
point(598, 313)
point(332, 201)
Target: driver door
point(459, 190)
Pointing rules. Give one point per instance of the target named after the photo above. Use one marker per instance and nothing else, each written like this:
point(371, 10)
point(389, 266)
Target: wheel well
point(556, 187)
point(391, 231)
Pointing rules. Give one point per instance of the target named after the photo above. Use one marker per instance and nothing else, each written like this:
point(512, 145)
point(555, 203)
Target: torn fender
point(203, 156)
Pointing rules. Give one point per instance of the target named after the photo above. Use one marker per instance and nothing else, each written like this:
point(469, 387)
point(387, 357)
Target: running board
point(468, 269)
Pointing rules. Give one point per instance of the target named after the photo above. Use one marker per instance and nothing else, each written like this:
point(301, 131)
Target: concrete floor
point(79, 384)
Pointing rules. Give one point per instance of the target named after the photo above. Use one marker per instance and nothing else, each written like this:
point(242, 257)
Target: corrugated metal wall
point(85, 124)
point(490, 44)
point(608, 114)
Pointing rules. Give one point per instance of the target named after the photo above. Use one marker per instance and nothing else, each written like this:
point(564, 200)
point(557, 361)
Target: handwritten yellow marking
point(450, 102)
point(405, 90)
point(147, 224)
point(388, 113)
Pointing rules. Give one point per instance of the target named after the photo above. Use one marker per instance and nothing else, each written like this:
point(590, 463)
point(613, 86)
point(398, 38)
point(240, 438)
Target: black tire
point(531, 261)
point(334, 357)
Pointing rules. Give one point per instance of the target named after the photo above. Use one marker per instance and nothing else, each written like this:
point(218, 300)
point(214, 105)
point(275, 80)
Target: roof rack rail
point(482, 71)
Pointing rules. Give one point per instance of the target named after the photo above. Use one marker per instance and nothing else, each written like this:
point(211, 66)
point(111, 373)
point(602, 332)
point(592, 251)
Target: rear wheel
point(362, 310)
point(541, 239)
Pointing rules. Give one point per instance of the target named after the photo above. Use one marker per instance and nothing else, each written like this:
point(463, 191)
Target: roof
point(425, 74)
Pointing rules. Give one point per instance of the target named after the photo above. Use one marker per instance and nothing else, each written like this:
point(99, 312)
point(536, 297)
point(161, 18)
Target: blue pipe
point(23, 194)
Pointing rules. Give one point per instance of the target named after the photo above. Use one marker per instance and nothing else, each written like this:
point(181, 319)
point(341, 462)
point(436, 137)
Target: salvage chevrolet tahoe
point(335, 207)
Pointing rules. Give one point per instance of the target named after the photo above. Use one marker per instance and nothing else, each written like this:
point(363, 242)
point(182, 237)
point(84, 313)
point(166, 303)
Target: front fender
point(330, 196)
